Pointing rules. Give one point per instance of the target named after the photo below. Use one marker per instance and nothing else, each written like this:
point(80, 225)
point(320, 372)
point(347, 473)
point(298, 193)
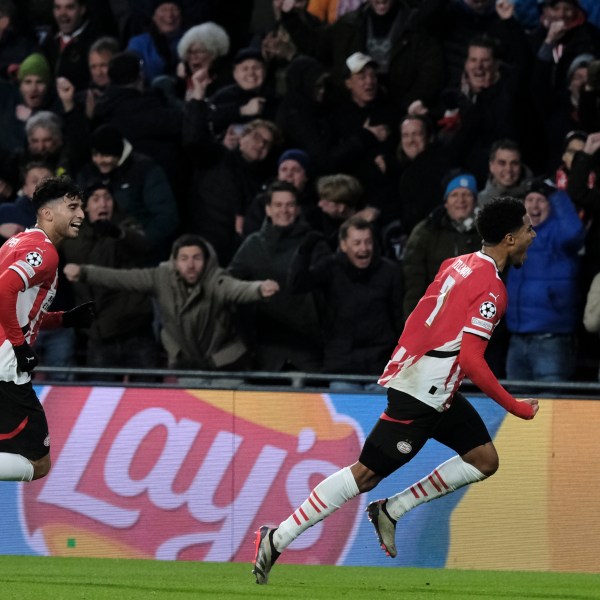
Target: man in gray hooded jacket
point(196, 300)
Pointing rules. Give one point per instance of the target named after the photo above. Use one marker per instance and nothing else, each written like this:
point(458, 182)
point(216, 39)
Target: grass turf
point(33, 578)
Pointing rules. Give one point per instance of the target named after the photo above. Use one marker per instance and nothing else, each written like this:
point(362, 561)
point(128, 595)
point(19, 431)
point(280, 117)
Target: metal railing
point(258, 380)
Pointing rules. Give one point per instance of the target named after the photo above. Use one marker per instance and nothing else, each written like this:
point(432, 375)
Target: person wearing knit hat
point(448, 231)
point(294, 166)
point(463, 180)
point(37, 65)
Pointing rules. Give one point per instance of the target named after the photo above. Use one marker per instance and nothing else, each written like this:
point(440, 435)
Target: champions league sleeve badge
point(34, 259)
point(487, 310)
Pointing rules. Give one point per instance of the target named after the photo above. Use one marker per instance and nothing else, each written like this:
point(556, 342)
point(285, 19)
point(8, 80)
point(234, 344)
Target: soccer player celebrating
point(28, 276)
point(443, 341)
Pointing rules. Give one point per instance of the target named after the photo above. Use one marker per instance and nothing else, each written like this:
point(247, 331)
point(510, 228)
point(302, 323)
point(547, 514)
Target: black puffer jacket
point(432, 241)
point(363, 315)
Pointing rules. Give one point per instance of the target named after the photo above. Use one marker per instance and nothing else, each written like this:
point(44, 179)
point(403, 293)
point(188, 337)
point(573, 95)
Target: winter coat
point(289, 322)
point(154, 63)
point(493, 189)
point(141, 190)
point(223, 183)
point(306, 124)
point(118, 312)
point(146, 120)
point(228, 101)
point(198, 328)
point(72, 61)
point(432, 241)
point(363, 309)
point(543, 295)
point(416, 61)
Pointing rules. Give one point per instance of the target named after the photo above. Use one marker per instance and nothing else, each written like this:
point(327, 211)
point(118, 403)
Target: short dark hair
point(501, 216)
point(355, 221)
point(504, 144)
point(486, 41)
point(55, 188)
point(280, 186)
point(189, 239)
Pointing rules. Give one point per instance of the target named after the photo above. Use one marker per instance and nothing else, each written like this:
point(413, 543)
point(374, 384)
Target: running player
point(443, 341)
point(28, 276)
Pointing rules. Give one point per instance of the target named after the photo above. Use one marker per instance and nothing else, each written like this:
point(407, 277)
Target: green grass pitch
point(39, 578)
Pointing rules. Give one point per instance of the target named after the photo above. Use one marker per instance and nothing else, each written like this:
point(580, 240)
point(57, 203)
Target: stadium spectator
point(365, 112)
point(138, 185)
point(507, 173)
point(490, 104)
point(99, 57)
point(18, 215)
point(144, 117)
point(66, 46)
point(158, 47)
point(250, 96)
point(293, 166)
point(448, 231)
point(573, 142)
point(285, 331)
point(362, 300)
point(567, 35)
point(63, 148)
point(121, 334)
point(558, 106)
point(340, 197)
point(421, 165)
point(304, 118)
point(544, 310)
point(196, 300)
point(456, 23)
point(15, 45)
point(203, 46)
point(410, 63)
point(423, 377)
point(18, 103)
point(583, 187)
point(224, 181)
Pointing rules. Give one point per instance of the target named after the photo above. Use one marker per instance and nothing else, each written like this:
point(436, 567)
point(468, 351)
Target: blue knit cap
point(299, 156)
point(464, 180)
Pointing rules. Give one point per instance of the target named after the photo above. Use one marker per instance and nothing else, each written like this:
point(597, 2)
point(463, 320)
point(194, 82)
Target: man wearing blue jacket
point(544, 308)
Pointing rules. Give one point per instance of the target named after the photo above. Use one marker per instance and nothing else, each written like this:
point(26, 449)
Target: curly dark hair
point(55, 188)
point(499, 217)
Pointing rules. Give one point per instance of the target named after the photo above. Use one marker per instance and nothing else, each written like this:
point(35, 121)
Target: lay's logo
point(186, 474)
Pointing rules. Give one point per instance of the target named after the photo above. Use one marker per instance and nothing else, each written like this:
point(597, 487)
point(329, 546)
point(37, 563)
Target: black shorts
point(392, 443)
point(23, 425)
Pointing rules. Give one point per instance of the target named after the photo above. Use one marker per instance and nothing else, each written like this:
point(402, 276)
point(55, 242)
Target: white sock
point(14, 467)
point(325, 499)
point(449, 476)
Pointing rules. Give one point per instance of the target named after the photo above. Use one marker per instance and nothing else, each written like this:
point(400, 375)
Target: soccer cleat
point(265, 555)
point(385, 526)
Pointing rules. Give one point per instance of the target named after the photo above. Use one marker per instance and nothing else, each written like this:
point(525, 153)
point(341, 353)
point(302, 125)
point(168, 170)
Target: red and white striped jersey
point(33, 257)
point(467, 295)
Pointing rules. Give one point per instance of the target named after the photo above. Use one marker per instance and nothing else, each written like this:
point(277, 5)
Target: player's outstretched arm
point(473, 363)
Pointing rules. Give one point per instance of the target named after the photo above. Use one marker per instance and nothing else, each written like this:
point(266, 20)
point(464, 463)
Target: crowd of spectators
point(285, 177)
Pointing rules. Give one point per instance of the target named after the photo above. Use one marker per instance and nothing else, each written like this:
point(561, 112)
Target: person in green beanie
point(34, 92)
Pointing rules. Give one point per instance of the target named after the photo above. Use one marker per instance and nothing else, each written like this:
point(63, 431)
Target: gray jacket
point(198, 325)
